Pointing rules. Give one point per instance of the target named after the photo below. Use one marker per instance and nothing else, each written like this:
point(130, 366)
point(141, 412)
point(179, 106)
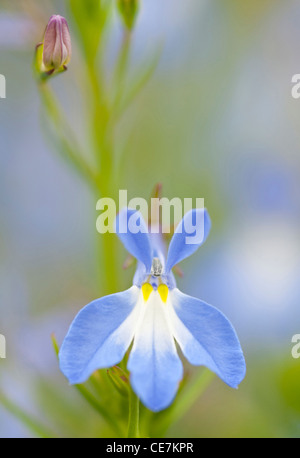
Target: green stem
point(134, 416)
point(122, 68)
point(64, 135)
point(104, 148)
point(137, 84)
point(100, 121)
point(107, 263)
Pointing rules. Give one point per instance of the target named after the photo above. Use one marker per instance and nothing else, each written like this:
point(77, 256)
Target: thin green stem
point(104, 147)
point(134, 416)
point(137, 84)
point(107, 260)
point(121, 68)
point(64, 137)
point(100, 121)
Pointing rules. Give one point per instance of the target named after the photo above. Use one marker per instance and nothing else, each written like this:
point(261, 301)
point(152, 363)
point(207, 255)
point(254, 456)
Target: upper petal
point(100, 335)
point(154, 363)
point(137, 242)
point(206, 337)
point(140, 274)
point(190, 233)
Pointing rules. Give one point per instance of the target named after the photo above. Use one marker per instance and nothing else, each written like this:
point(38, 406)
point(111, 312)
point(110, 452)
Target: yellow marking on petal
point(163, 292)
point(146, 290)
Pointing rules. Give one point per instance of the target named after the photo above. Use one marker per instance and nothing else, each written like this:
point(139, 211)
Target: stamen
point(163, 291)
point(146, 290)
point(157, 268)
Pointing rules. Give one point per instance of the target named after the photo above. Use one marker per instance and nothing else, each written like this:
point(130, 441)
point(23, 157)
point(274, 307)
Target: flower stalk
point(134, 416)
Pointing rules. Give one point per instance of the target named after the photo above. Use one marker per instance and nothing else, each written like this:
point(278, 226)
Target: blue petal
point(138, 244)
point(154, 363)
point(207, 338)
point(99, 336)
point(190, 233)
point(140, 274)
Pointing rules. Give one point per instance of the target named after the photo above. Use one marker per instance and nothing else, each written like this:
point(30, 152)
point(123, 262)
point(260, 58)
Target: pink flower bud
point(57, 44)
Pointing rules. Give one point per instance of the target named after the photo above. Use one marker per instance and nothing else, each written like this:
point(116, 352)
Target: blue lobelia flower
point(153, 314)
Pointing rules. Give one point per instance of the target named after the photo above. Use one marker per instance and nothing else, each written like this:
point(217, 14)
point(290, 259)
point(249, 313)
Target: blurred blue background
point(217, 121)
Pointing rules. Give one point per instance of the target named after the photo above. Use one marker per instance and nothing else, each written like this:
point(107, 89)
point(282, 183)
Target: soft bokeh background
point(216, 121)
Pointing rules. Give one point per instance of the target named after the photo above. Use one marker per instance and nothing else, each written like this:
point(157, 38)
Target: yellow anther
point(147, 290)
point(163, 292)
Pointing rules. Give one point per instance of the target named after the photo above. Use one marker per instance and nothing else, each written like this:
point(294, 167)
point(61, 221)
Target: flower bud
point(129, 10)
point(119, 379)
point(57, 49)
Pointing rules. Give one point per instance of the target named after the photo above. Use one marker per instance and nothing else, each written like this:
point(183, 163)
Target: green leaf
point(138, 83)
